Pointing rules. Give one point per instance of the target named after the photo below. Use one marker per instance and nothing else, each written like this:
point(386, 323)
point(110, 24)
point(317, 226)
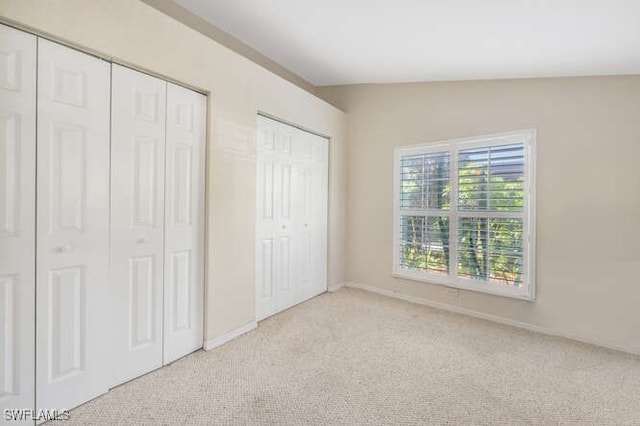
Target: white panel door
point(72, 226)
point(285, 231)
point(184, 223)
point(310, 214)
point(266, 218)
point(317, 224)
point(17, 217)
point(274, 251)
point(137, 222)
point(291, 216)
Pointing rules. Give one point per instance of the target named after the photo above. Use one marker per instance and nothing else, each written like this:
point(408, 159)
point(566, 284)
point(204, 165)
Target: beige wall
point(588, 191)
point(135, 33)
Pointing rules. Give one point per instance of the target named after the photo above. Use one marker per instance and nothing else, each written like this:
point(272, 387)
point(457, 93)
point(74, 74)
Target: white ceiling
point(331, 42)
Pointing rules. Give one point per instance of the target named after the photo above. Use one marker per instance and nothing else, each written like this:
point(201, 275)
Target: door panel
point(265, 225)
point(137, 221)
point(273, 185)
point(180, 274)
point(145, 183)
point(17, 217)
point(318, 199)
point(68, 315)
point(300, 231)
point(73, 226)
point(285, 233)
point(67, 192)
point(284, 292)
point(184, 223)
point(141, 286)
point(266, 270)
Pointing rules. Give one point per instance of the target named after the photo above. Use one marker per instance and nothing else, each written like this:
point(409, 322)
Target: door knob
point(142, 241)
point(62, 249)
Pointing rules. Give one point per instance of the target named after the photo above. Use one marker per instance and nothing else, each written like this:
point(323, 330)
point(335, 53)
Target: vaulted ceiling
point(333, 42)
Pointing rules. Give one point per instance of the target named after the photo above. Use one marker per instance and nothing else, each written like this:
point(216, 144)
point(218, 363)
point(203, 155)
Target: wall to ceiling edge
point(190, 19)
point(587, 193)
point(134, 33)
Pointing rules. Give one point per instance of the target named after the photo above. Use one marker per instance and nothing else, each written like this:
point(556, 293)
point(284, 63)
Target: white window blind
point(464, 213)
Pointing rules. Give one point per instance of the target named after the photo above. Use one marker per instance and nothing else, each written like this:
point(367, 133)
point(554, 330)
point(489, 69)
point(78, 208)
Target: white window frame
point(527, 137)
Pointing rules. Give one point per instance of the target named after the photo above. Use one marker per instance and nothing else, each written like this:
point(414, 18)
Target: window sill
point(522, 293)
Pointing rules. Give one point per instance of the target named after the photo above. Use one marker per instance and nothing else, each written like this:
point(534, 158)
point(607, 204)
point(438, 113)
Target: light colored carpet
point(353, 357)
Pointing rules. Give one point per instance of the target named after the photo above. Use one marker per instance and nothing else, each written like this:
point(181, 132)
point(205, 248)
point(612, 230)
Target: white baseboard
point(489, 317)
point(335, 287)
point(221, 340)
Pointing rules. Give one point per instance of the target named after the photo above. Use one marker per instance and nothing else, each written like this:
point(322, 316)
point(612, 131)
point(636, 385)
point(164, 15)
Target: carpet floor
point(353, 357)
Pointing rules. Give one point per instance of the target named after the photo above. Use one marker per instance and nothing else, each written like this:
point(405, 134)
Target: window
point(463, 213)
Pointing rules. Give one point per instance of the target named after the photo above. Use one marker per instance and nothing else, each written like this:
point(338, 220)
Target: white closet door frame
point(184, 223)
point(137, 222)
point(17, 218)
point(72, 226)
point(291, 222)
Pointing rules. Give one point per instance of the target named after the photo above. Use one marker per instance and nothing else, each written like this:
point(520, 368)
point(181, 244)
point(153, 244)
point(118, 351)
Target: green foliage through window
point(490, 183)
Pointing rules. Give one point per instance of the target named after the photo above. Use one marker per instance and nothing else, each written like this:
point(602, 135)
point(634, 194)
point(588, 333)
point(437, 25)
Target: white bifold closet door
point(291, 228)
point(157, 222)
point(312, 216)
point(101, 223)
point(17, 217)
point(273, 226)
point(184, 223)
point(137, 222)
point(72, 227)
